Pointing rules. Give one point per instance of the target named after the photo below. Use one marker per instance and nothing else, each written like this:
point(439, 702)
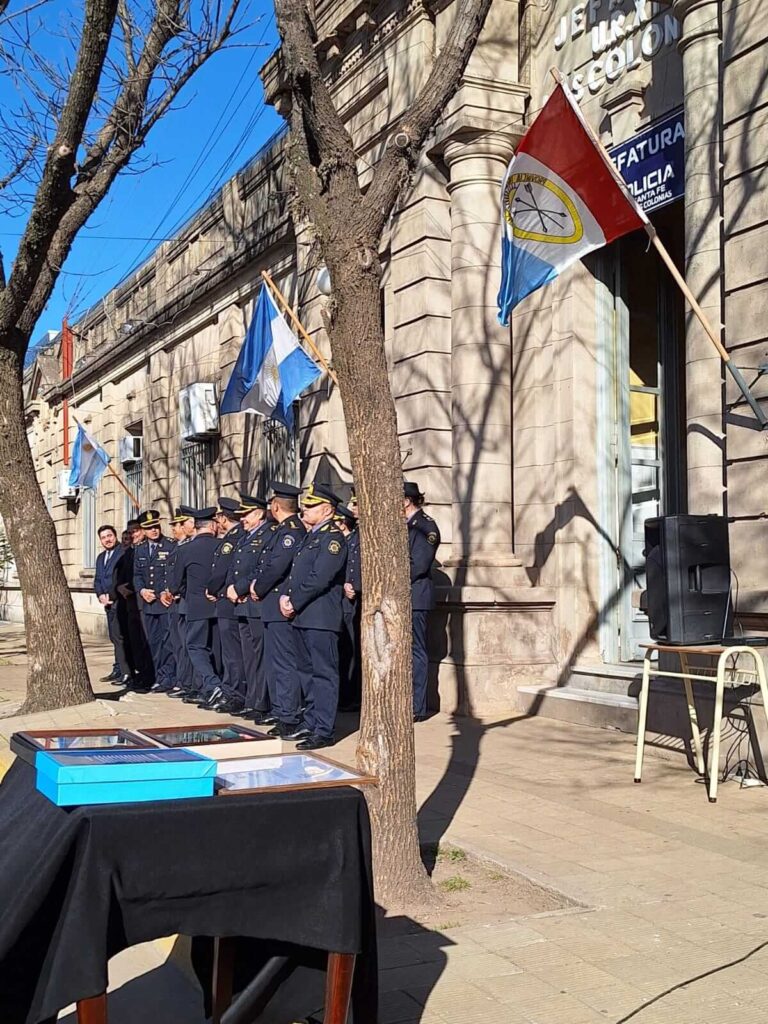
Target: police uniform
point(150, 572)
point(233, 669)
point(242, 570)
point(315, 587)
point(282, 540)
point(176, 618)
point(190, 580)
point(423, 542)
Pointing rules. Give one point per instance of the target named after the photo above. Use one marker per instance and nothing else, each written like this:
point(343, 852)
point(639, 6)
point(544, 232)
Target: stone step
point(622, 679)
point(604, 710)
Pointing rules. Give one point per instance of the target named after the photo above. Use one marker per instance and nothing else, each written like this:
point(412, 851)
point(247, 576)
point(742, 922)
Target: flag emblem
point(560, 199)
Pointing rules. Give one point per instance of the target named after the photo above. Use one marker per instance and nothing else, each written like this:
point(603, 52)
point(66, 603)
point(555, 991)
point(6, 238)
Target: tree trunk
point(386, 743)
point(56, 675)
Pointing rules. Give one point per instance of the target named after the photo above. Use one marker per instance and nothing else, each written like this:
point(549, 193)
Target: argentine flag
point(89, 461)
point(272, 369)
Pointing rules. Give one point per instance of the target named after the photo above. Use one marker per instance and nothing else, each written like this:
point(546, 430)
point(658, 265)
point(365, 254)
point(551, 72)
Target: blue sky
point(221, 122)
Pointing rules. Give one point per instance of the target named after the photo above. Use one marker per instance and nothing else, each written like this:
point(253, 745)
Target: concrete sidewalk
point(674, 905)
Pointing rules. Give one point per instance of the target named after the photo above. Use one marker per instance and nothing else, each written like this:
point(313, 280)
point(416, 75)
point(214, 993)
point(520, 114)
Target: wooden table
point(338, 988)
point(724, 656)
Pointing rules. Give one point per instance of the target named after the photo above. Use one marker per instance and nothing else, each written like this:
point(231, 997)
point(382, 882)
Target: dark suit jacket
point(104, 580)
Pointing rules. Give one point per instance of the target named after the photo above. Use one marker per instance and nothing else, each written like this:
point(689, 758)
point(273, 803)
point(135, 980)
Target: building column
point(700, 49)
point(481, 396)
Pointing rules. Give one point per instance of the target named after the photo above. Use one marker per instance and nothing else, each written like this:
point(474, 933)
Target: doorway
point(642, 342)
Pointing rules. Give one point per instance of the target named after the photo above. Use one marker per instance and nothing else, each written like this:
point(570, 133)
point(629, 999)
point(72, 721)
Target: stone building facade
point(541, 448)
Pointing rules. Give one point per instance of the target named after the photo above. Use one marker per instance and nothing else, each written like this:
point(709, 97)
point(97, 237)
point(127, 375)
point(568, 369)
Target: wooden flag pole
point(299, 327)
point(669, 263)
point(116, 475)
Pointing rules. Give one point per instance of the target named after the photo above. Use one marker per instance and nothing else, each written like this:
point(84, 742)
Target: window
point(88, 519)
point(278, 454)
point(196, 457)
point(134, 481)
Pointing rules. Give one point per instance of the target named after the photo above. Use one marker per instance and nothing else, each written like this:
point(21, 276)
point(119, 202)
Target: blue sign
point(653, 162)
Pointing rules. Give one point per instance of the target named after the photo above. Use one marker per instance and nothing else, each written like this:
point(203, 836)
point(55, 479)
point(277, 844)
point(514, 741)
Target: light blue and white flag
point(272, 369)
point(89, 461)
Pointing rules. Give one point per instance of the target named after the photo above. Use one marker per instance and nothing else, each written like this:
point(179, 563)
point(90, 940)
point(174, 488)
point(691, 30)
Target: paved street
point(672, 914)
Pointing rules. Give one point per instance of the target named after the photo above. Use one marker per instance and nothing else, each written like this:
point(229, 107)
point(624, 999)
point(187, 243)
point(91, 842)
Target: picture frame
point(28, 743)
point(221, 741)
point(277, 771)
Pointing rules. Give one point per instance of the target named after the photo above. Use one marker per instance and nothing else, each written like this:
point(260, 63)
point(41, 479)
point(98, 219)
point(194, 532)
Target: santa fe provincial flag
point(272, 368)
point(559, 201)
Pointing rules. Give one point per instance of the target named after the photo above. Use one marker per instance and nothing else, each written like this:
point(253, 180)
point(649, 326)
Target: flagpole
point(680, 281)
point(299, 327)
point(117, 476)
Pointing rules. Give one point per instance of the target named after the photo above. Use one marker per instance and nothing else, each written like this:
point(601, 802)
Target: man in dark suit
point(423, 542)
point(128, 614)
point(349, 650)
point(150, 573)
point(104, 586)
point(311, 598)
point(191, 573)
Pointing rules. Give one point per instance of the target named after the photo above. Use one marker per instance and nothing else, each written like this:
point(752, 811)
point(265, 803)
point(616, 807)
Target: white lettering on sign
point(622, 33)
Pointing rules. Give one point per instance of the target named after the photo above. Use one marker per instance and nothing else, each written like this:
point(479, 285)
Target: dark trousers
point(280, 671)
point(233, 674)
point(252, 646)
point(158, 637)
point(177, 627)
point(218, 663)
point(199, 637)
point(349, 657)
point(116, 636)
point(420, 662)
point(134, 640)
point(317, 659)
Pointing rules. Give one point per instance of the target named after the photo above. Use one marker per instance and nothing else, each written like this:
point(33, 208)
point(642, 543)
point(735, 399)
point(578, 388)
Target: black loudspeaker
point(688, 579)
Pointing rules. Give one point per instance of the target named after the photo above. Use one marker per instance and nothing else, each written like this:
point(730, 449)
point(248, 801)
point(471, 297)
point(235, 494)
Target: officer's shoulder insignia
point(287, 541)
point(226, 548)
point(334, 547)
point(432, 538)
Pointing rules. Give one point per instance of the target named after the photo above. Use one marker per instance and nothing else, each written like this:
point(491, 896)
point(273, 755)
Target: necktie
point(152, 549)
point(107, 558)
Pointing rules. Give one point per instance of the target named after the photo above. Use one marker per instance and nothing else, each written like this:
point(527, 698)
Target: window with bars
point(89, 524)
point(134, 481)
point(277, 455)
point(195, 458)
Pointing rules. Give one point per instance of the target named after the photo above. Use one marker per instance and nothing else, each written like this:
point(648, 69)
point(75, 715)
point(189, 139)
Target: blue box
point(68, 778)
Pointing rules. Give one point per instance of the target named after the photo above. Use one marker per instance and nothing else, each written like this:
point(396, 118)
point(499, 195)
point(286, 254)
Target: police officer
point(191, 573)
point(423, 542)
point(351, 675)
point(150, 572)
point(242, 570)
point(233, 669)
point(284, 535)
point(182, 527)
point(311, 598)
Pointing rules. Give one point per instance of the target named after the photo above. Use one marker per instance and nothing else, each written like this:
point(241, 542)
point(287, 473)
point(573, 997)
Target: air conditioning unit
point(198, 412)
point(130, 449)
point(65, 491)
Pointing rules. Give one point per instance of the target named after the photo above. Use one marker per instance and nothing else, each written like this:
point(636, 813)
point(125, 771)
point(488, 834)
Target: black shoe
point(267, 718)
point(315, 743)
point(216, 696)
point(157, 688)
point(123, 681)
point(420, 718)
point(296, 732)
point(191, 698)
point(230, 706)
point(178, 694)
point(113, 677)
point(257, 717)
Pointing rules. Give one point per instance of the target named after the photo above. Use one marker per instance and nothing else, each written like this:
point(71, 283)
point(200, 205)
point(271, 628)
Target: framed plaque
point(286, 772)
point(221, 741)
point(26, 744)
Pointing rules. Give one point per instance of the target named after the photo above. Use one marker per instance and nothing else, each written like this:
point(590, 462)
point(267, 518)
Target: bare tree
point(349, 224)
point(74, 131)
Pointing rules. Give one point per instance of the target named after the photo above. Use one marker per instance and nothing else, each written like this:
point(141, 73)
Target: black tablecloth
point(78, 885)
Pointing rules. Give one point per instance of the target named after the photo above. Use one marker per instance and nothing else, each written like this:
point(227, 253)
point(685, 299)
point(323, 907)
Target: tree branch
point(54, 193)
